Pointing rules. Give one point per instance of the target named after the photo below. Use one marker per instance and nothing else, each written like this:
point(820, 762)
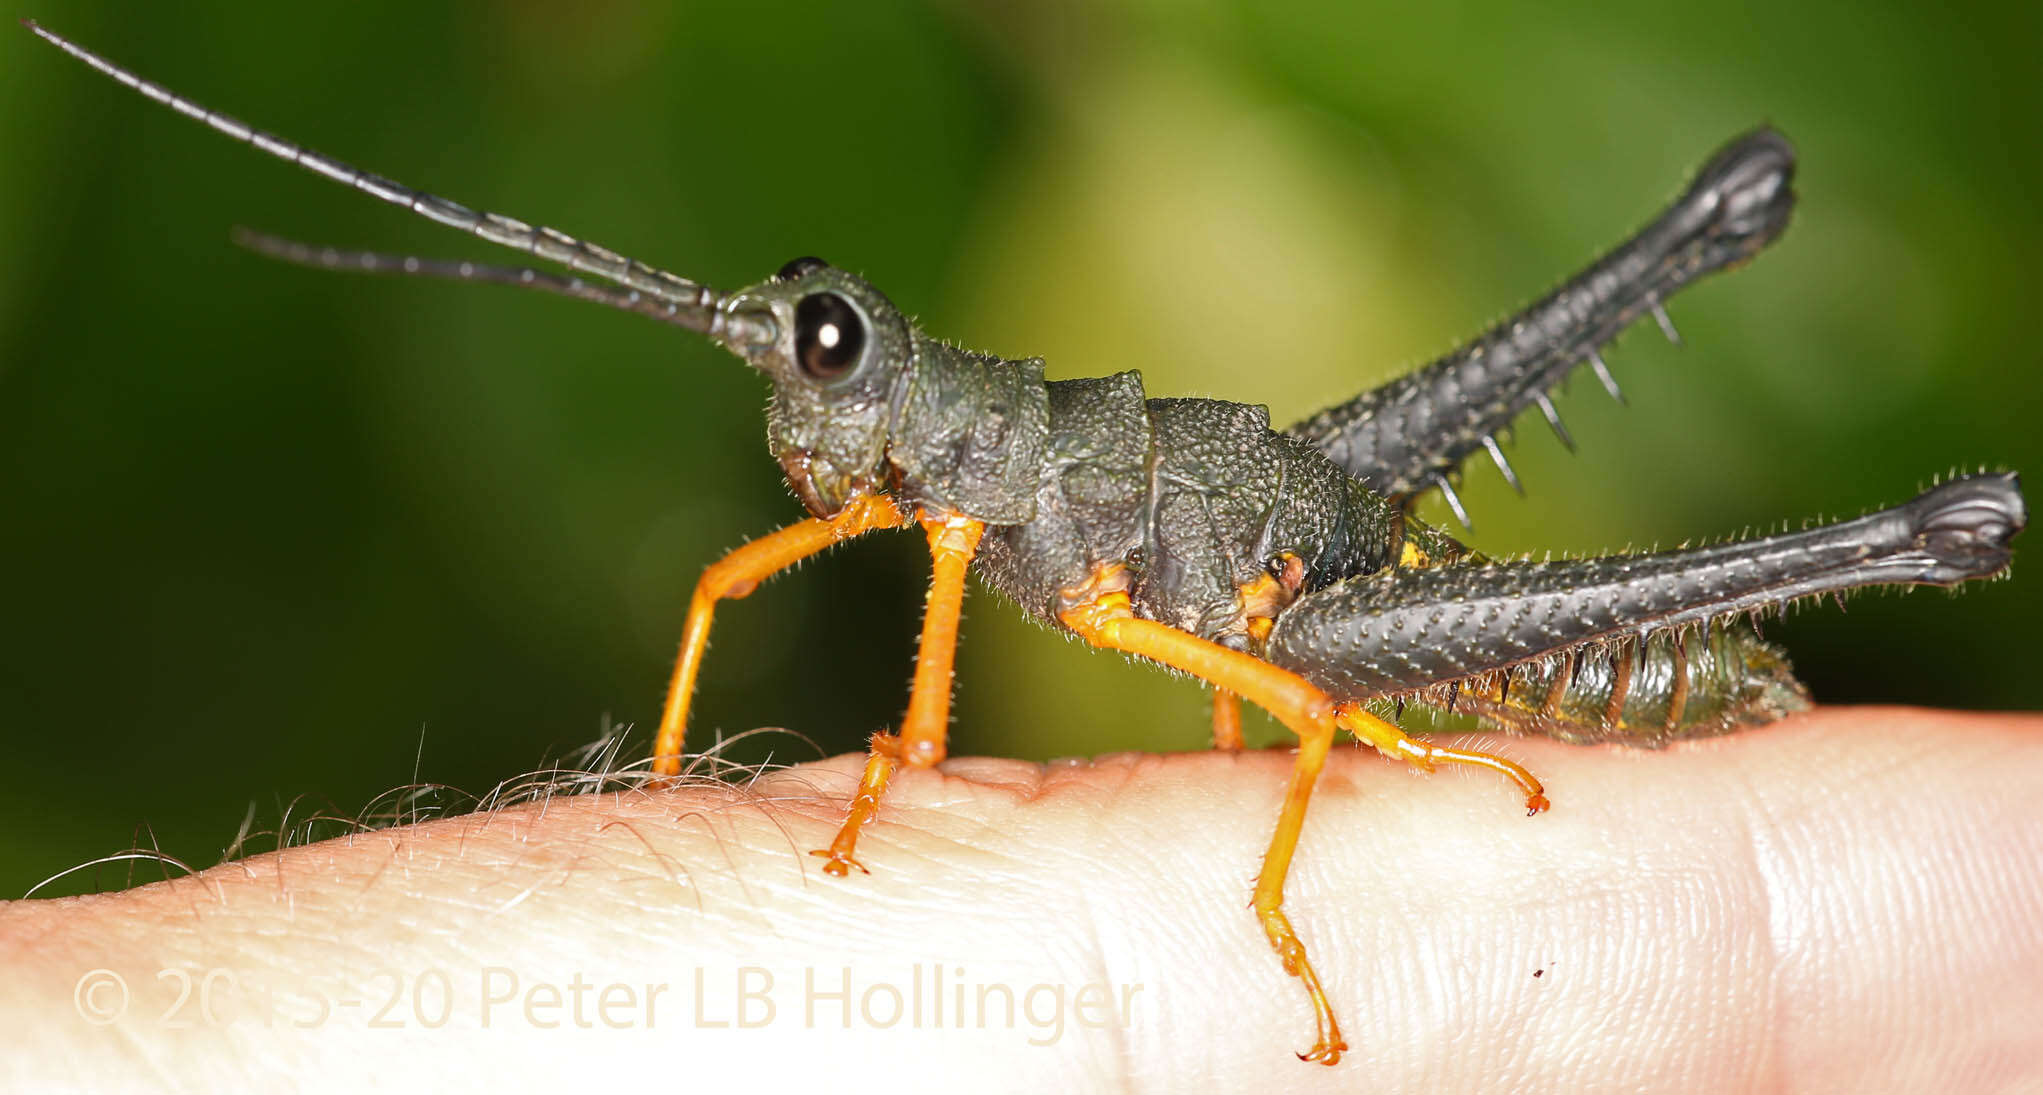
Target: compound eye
point(829, 333)
point(801, 267)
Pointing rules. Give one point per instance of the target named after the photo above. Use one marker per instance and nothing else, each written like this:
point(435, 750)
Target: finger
point(1846, 896)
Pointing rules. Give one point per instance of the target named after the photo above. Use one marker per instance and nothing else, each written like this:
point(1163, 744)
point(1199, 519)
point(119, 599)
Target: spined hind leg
point(1413, 433)
point(1457, 626)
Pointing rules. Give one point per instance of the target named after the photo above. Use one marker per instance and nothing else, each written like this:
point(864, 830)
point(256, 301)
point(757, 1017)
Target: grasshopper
point(1281, 567)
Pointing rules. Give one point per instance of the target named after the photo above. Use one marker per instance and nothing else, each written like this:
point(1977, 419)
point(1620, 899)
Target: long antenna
point(694, 306)
point(353, 261)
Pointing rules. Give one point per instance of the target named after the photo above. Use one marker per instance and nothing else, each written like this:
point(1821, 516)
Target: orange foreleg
point(738, 574)
point(953, 540)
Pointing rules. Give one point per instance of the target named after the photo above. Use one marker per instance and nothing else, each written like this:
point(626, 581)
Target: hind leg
point(1597, 647)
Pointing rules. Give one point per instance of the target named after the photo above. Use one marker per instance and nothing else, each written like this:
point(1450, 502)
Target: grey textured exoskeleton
point(1282, 567)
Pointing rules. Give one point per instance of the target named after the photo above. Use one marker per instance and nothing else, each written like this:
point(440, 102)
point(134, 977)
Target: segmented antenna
point(694, 306)
point(523, 277)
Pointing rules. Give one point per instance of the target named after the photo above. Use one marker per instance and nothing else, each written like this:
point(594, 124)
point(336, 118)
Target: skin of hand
point(1848, 900)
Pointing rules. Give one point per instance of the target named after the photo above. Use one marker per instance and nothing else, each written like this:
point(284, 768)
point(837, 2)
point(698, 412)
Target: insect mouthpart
point(821, 487)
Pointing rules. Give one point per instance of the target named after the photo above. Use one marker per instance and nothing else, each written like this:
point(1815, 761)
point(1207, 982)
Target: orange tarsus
point(737, 575)
point(1393, 742)
point(879, 768)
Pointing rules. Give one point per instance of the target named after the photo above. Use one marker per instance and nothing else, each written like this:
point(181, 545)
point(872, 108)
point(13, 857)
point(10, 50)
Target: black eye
point(795, 268)
point(828, 335)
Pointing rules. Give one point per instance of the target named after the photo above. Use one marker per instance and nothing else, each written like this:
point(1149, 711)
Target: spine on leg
point(1535, 645)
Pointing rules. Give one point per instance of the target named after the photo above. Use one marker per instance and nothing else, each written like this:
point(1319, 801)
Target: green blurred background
point(268, 533)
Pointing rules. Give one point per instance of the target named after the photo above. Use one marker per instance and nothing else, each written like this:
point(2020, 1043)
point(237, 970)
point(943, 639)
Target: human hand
point(1849, 900)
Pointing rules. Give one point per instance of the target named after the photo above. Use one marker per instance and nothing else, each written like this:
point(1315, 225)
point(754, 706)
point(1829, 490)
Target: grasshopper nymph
point(1279, 566)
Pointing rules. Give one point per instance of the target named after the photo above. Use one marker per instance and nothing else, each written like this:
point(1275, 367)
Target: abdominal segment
point(1648, 692)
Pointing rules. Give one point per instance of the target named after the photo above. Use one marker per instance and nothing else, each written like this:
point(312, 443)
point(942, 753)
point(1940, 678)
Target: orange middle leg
point(953, 540)
point(737, 575)
point(1108, 620)
point(1392, 742)
point(1226, 720)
